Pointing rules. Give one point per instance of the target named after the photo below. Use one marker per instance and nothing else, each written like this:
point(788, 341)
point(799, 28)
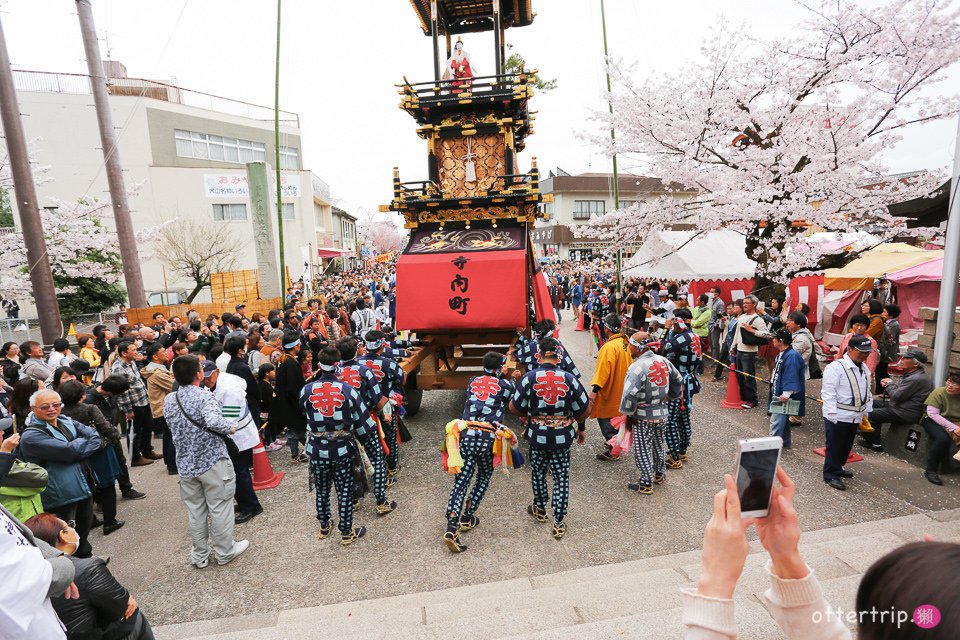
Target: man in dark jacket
point(286, 410)
point(72, 393)
point(904, 398)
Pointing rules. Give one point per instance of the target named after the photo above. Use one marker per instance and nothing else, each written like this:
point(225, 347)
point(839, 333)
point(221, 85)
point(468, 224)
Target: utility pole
point(943, 339)
point(38, 262)
point(613, 136)
point(276, 149)
point(132, 275)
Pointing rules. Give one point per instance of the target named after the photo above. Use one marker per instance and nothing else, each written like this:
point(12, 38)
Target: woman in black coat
point(104, 610)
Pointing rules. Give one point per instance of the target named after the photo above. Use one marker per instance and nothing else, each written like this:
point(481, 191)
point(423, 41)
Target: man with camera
point(746, 344)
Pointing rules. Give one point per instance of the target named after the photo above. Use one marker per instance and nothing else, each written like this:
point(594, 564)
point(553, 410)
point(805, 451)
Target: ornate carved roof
point(467, 16)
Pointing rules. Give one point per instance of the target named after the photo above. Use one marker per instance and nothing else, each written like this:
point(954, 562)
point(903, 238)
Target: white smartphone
point(757, 460)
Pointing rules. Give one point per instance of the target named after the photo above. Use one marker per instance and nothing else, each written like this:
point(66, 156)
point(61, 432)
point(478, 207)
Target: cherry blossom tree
point(84, 257)
point(776, 137)
point(383, 235)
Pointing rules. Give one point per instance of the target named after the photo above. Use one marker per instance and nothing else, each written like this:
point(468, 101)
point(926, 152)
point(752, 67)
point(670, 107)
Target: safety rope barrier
point(747, 375)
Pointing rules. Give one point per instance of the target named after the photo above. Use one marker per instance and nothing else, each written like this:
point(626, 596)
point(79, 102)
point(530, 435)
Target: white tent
point(692, 255)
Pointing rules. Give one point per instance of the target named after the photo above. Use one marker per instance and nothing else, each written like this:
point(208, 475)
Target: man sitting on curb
point(906, 396)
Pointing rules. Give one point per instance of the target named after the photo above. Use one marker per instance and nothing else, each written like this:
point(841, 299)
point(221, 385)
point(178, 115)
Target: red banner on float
point(473, 290)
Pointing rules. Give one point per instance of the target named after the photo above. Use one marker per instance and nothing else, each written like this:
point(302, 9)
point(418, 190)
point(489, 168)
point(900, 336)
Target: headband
point(328, 367)
point(291, 345)
point(375, 345)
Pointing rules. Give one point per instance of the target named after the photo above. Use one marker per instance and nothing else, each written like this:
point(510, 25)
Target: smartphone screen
point(755, 478)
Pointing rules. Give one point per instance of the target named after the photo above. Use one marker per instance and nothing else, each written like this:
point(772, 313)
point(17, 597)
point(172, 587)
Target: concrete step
point(637, 598)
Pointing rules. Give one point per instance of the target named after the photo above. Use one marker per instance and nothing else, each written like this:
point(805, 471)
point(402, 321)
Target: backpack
point(887, 347)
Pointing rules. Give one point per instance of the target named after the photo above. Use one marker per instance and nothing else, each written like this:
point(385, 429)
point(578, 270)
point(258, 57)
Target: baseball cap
point(240, 306)
point(915, 354)
point(860, 343)
point(208, 366)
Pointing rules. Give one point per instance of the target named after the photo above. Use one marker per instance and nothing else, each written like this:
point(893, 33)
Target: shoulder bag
point(752, 339)
point(232, 450)
point(816, 373)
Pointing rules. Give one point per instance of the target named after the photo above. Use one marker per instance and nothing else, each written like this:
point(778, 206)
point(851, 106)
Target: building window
point(225, 212)
point(585, 209)
point(191, 144)
point(626, 204)
point(287, 211)
point(289, 158)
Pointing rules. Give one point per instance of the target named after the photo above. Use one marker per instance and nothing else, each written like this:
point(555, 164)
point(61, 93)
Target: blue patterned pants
point(371, 444)
point(678, 428)
point(325, 474)
point(648, 449)
point(558, 460)
point(390, 431)
point(477, 456)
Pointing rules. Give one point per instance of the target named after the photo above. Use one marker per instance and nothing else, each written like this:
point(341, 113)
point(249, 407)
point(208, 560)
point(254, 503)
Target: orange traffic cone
point(580, 326)
point(732, 401)
point(264, 477)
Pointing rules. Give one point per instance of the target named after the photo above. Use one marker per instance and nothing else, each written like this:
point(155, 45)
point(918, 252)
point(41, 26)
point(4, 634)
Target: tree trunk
point(764, 287)
point(196, 291)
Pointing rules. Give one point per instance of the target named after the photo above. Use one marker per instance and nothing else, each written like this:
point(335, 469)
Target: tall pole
point(497, 35)
point(613, 136)
point(276, 148)
point(132, 275)
point(434, 35)
point(943, 339)
point(38, 262)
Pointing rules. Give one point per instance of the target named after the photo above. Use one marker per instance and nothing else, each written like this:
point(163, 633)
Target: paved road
point(287, 567)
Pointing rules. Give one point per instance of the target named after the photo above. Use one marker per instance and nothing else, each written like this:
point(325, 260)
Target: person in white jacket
point(231, 392)
point(846, 400)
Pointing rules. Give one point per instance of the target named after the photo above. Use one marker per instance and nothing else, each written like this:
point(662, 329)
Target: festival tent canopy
point(876, 263)
point(918, 286)
point(692, 255)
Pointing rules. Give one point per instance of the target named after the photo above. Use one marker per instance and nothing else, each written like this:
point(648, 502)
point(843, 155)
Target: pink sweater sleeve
point(798, 606)
point(934, 414)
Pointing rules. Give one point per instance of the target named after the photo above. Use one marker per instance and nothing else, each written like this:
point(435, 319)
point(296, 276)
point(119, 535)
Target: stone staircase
point(638, 599)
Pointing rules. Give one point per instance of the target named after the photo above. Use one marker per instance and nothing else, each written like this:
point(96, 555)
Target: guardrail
point(78, 83)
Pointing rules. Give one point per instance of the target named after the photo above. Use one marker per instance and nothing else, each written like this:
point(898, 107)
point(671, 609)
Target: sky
point(340, 61)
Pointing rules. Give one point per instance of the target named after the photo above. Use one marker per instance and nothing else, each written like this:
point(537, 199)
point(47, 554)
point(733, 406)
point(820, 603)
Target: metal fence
point(22, 329)
point(77, 83)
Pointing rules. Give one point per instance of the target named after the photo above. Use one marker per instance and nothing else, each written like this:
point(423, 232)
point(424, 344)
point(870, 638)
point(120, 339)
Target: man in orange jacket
point(613, 360)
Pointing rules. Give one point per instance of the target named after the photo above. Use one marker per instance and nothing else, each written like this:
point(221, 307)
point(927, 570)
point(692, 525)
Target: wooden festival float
point(467, 279)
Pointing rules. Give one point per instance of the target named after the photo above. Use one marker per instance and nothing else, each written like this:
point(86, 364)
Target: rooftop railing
point(78, 83)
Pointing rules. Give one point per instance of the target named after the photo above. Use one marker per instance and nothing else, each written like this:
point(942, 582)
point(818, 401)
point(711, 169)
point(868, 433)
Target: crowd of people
point(322, 377)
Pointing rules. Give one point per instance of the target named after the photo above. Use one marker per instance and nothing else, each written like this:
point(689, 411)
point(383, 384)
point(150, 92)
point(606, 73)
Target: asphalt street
point(288, 567)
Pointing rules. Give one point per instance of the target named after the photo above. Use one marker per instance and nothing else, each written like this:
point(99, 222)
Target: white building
point(184, 150)
point(577, 199)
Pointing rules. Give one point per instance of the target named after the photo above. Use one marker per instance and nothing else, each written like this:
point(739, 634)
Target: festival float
point(467, 279)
